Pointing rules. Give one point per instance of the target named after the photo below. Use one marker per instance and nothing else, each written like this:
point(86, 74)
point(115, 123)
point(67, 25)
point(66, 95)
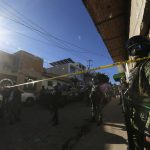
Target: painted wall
point(137, 10)
point(29, 66)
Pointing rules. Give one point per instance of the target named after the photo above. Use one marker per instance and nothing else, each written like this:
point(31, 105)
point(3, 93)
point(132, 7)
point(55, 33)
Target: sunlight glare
point(4, 34)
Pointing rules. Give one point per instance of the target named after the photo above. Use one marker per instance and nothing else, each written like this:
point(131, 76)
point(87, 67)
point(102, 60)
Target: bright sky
point(53, 30)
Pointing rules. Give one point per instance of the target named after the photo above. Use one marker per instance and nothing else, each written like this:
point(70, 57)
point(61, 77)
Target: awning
point(111, 19)
point(118, 76)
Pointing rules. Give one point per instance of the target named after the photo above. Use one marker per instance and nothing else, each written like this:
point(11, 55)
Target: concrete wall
point(8, 64)
point(59, 69)
point(136, 22)
point(66, 69)
point(31, 66)
point(137, 10)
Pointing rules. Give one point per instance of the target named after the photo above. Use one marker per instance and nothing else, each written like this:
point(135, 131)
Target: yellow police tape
point(81, 72)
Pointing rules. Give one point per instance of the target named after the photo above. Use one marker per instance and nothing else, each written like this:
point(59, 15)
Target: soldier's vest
point(139, 93)
point(139, 87)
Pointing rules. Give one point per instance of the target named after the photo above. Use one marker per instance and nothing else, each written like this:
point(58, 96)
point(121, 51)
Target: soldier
point(42, 97)
point(96, 114)
point(17, 104)
point(11, 104)
point(5, 104)
point(138, 125)
point(97, 97)
point(55, 103)
point(124, 88)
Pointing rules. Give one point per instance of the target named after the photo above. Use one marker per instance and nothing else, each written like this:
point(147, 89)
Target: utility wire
point(31, 27)
point(36, 25)
point(44, 32)
point(59, 46)
point(41, 33)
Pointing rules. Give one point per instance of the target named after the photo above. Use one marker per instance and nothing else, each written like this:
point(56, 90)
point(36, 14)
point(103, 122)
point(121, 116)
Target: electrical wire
point(40, 32)
point(32, 28)
point(36, 25)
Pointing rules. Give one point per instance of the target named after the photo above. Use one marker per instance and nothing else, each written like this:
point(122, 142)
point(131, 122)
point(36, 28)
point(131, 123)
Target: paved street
point(35, 131)
point(110, 136)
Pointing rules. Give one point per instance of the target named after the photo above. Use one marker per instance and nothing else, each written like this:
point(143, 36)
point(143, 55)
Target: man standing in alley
point(11, 104)
point(42, 97)
point(105, 88)
point(97, 97)
point(139, 93)
point(17, 104)
point(55, 103)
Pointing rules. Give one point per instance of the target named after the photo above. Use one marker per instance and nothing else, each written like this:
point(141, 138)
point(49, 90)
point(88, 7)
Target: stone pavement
point(35, 131)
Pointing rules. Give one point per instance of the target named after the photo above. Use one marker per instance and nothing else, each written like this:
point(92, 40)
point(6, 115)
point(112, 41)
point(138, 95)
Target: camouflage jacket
point(139, 82)
point(139, 93)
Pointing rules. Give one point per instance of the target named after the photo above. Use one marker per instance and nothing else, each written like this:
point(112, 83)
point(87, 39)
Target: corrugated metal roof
point(111, 18)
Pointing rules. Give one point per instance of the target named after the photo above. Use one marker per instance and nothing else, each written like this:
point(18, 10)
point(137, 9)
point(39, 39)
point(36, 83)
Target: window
point(72, 69)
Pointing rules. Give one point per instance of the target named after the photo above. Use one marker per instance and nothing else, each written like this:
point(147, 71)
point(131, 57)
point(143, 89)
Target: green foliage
point(88, 76)
point(101, 77)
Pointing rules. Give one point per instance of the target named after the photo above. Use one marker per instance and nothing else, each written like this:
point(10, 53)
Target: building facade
point(67, 66)
point(49, 84)
point(21, 67)
point(30, 68)
point(8, 66)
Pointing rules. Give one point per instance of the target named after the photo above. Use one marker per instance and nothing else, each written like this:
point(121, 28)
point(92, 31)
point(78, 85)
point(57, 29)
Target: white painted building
point(67, 66)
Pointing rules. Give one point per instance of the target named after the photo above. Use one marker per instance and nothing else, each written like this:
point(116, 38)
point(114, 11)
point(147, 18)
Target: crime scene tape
point(82, 72)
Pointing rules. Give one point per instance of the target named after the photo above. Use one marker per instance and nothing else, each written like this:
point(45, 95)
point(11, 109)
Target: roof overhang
point(61, 62)
point(111, 19)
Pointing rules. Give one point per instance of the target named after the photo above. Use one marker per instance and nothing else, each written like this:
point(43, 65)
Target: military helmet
point(138, 45)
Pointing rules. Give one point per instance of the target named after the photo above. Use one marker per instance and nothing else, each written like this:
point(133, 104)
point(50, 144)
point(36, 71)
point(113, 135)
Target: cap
point(138, 45)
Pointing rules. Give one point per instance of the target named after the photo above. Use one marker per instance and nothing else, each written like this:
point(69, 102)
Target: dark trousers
point(96, 110)
point(55, 115)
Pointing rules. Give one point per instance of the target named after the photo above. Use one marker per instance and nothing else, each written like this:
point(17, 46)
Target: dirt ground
point(35, 130)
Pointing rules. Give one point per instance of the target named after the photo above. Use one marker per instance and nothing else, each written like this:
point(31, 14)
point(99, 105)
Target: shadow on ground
point(74, 132)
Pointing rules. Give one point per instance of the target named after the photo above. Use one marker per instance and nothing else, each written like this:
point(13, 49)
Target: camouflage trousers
point(11, 112)
point(96, 112)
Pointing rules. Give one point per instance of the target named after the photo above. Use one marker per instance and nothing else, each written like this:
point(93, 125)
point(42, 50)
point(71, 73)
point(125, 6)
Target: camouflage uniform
point(14, 103)
point(137, 103)
point(96, 104)
point(139, 93)
point(5, 104)
point(55, 102)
